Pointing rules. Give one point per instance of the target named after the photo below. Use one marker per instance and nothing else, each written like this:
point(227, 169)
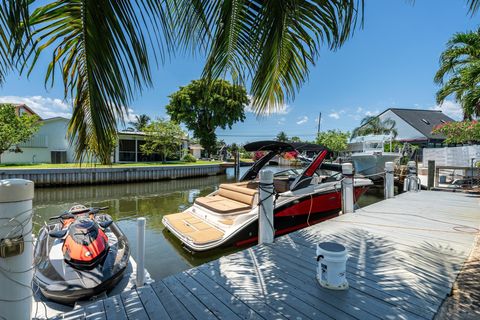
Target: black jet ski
point(81, 255)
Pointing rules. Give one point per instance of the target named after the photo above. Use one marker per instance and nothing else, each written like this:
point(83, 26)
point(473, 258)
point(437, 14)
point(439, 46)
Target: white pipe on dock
point(266, 229)
point(389, 185)
point(347, 188)
point(140, 252)
point(16, 249)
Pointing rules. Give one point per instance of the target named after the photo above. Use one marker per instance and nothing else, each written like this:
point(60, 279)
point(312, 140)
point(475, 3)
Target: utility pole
point(319, 123)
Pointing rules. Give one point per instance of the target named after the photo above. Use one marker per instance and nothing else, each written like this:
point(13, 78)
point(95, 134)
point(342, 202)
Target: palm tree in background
point(282, 136)
point(373, 125)
point(103, 49)
point(459, 72)
point(141, 121)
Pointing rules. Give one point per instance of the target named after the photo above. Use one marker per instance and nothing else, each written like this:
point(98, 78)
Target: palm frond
point(100, 48)
point(270, 44)
point(13, 27)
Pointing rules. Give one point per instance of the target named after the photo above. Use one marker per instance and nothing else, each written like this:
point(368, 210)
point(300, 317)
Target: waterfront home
point(415, 126)
point(51, 145)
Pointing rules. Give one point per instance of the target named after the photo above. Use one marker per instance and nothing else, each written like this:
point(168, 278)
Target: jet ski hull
point(60, 282)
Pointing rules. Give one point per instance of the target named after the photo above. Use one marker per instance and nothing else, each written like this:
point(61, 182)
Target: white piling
point(266, 228)
point(389, 186)
point(140, 252)
point(347, 188)
point(411, 182)
point(16, 249)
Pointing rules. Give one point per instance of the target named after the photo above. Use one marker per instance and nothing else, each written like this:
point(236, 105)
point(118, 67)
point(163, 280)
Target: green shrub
point(189, 158)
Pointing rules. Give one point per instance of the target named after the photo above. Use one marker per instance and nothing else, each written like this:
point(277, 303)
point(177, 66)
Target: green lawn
point(96, 165)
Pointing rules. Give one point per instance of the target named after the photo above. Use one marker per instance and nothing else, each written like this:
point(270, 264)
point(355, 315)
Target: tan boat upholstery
point(197, 230)
point(229, 198)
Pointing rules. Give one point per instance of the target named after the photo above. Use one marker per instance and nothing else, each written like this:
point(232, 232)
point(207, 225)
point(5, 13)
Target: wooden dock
point(404, 255)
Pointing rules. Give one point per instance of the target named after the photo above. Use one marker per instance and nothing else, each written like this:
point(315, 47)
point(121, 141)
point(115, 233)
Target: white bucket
point(332, 264)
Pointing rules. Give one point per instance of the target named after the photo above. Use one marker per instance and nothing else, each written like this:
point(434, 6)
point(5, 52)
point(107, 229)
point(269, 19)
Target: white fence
point(452, 156)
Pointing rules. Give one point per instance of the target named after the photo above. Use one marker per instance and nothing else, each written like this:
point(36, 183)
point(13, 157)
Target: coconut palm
point(101, 48)
point(460, 67)
point(373, 125)
point(282, 136)
point(141, 121)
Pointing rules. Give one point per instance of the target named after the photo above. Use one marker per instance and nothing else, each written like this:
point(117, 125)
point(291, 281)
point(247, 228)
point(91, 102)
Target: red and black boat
point(81, 255)
point(229, 216)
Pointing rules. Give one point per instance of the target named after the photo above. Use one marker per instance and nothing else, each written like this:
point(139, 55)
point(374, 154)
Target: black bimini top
point(272, 145)
point(274, 148)
point(268, 145)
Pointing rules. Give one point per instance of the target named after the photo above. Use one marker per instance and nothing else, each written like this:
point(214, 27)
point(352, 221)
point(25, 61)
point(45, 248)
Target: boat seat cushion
point(197, 230)
point(231, 197)
point(221, 204)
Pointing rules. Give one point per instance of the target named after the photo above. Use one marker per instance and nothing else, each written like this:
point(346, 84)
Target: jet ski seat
point(230, 198)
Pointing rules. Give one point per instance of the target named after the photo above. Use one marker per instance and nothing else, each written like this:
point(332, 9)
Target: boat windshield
point(374, 145)
point(326, 175)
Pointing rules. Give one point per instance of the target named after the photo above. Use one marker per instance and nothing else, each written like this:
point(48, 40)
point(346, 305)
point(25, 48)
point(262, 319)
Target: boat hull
point(293, 215)
point(297, 215)
point(372, 164)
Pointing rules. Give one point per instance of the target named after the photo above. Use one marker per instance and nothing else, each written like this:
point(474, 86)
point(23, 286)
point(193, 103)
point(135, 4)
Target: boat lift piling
point(347, 188)
point(16, 248)
point(266, 229)
point(412, 182)
point(389, 180)
point(140, 252)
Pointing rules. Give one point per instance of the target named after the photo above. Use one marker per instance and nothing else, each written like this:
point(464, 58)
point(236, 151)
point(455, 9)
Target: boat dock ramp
point(404, 256)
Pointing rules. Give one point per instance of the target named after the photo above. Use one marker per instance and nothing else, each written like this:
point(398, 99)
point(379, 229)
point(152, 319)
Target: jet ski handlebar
point(70, 215)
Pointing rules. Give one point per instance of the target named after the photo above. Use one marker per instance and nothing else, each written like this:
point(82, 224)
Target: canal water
point(153, 200)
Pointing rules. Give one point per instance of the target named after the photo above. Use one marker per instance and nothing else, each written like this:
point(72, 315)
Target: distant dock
point(404, 256)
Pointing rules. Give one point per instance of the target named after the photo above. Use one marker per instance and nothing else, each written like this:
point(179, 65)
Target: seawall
point(92, 176)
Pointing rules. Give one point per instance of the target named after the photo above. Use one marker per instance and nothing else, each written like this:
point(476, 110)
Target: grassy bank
point(97, 165)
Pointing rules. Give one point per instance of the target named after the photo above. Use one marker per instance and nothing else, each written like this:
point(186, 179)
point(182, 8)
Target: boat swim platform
point(404, 256)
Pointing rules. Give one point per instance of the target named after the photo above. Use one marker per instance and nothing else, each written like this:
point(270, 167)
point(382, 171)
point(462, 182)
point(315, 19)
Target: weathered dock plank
point(114, 308)
point(404, 255)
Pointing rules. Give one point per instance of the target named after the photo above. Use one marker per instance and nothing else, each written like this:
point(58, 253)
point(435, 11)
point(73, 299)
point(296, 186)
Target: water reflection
point(164, 254)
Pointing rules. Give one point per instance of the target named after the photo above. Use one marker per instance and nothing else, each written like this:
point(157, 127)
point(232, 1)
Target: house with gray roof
point(415, 126)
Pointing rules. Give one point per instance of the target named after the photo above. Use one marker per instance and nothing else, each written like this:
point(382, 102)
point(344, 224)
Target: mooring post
point(431, 174)
point(347, 188)
point(16, 248)
point(140, 252)
point(266, 228)
point(411, 182)
point(389, 185)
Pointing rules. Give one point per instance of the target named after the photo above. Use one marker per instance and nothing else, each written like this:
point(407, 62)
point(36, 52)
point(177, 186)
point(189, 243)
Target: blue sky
point(388, 63)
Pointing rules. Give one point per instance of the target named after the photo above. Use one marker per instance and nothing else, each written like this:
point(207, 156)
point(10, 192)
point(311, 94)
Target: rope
point(263, 187)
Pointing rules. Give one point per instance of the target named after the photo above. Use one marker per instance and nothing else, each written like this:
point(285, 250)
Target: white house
point(48, 145)
point(129, 149)
point(416, 126)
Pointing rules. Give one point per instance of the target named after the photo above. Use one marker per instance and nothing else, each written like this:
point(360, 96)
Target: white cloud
point(334, 115)
point(302, 120)
point(450, 108)
point(45, 107)
point(372, 113)
point(282, 120)
point(129, 116)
